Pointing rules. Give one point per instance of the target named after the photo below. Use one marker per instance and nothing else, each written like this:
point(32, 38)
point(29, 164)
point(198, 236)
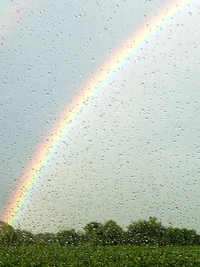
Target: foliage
point(113, 234)
point(144, 232)
point(69, 237)
point(45, 239)
point(141, 233)
point(109, 233)
point(94, 233)
point(99, 256)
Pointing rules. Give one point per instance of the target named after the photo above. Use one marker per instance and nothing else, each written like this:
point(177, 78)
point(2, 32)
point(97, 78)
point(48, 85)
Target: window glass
point(99, 116)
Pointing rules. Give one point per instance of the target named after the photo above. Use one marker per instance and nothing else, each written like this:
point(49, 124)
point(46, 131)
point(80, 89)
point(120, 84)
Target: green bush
point(99, 256)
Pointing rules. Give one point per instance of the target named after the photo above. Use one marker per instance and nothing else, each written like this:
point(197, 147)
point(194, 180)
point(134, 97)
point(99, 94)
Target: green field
point(99, 256)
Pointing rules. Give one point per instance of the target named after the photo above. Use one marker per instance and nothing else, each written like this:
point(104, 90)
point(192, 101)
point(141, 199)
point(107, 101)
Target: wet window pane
point(100, 132)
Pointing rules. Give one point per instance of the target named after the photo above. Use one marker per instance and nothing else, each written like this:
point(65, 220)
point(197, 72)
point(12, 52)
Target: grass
point(86, 256)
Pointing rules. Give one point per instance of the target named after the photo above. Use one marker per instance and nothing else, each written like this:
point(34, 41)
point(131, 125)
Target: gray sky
point(135, 151)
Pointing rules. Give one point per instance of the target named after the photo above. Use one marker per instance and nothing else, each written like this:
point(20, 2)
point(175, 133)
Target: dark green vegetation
point(141, 233)
point(144, 243)
point(99, 256)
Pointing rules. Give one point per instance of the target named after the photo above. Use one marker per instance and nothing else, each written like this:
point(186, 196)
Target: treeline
point(141, 233)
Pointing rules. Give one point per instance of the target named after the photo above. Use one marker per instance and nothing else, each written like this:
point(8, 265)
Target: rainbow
point(97, 83)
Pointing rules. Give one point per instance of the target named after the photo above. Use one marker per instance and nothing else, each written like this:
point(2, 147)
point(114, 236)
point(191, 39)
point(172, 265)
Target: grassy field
point(121, 256)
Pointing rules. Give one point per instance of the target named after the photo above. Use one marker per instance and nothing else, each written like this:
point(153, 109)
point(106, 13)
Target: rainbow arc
point(97, 83)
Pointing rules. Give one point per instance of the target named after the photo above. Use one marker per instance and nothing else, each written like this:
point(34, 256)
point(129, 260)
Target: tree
point(22, 237)
point(94, 233)
point(6, 233)
point(113, 234)
point(181, 237)
point(45, 238)
point(189, 237)
point(145, 232)
point(68, 237)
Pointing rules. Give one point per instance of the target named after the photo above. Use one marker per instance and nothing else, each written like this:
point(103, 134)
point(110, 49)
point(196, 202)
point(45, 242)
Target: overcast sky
point(135, 151)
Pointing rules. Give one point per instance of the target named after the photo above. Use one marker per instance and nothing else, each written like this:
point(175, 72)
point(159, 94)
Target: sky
point(135, 151)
